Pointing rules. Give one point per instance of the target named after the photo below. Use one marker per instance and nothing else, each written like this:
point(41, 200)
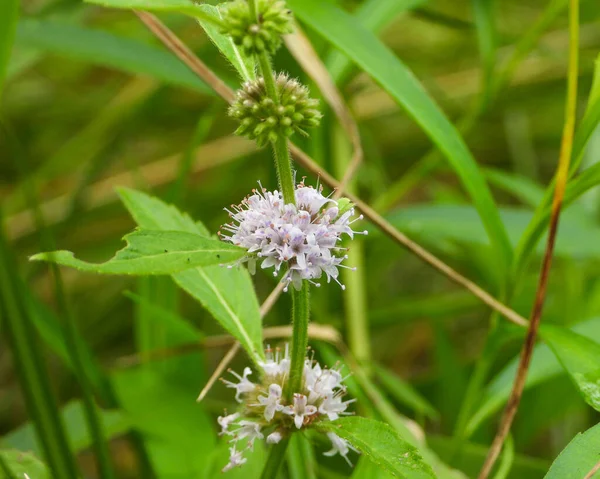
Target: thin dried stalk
point(536, 313)
point(304, 53)
point(217, 152)
point(264, 309)
point(197, 66)
point(320, 332)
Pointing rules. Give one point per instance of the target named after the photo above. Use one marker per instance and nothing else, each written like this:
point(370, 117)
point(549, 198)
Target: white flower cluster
point(304, 236)
point(266, 413)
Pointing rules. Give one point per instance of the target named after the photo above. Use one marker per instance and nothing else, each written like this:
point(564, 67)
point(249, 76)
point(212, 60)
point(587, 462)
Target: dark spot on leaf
point(166, 251)
point(218, 256)
point(188, 260)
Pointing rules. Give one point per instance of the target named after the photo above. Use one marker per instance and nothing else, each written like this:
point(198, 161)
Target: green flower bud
point(263, 120)
point(256, 36)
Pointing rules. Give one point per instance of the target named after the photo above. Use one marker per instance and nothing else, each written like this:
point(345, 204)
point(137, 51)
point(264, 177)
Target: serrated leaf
point(227, 294)
point(580, 356)
point(244, 65)
point(578, 458)
point(20, 463)
point(154, 252)
point(382, 445)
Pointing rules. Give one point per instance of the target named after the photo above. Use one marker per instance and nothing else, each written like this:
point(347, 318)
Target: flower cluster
point(305, 236)
point(266, 414)
point(257, 35)
point(264, 120)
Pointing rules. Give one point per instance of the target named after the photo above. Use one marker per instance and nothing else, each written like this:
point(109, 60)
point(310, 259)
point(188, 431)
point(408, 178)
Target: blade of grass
point(9, 13)
point(355, 303)
point(561, 182)
point(365, 49)
point(483, 14)
point(374, 15)
point(77, 350)
point(29, 364)
point(430, 162)
point(540, 220)
point(197, 66)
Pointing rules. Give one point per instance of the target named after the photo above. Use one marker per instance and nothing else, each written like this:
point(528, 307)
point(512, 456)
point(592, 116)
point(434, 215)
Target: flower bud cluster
point(257, 35)
point(266, 414)
point(264, 120)
point(304, 237)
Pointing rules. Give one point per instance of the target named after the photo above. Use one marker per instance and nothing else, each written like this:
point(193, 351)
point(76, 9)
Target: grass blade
point(365, 49)
point(39, 399)
point(9, 13)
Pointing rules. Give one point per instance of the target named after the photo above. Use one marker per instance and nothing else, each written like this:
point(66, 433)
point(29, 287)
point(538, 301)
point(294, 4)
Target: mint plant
point(290, 399)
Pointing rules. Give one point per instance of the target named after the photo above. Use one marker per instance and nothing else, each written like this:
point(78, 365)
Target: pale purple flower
point(339, 446)
point(269, 414)
point(235, 459)
point(300, 410)
point(244, 386)
point(304, 236)
point(333, 406)
point(225, 422)
point(248, 429)
point(271, 402)
point(274, 438)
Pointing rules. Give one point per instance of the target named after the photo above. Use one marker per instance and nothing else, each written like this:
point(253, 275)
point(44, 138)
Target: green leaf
point(364, 48)
point(578, 236)
point(154, 252)
point(105, 49)
point(227, 294)
point(373, 15)
point(9, 13)
point(244, 65)
point(544, 367)
point(382, 445)
point(187, 7)
point(578, 458)
point(178, 434)
point(580, 356)
point(20, 463)
point(484, 15)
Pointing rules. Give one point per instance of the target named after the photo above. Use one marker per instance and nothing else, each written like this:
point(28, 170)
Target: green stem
point(300, 317)
point(275, 459)
point(281, 151)
point(355, 299)
point(284, 169)
point(267, 73)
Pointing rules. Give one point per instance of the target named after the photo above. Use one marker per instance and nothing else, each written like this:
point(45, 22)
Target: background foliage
point(92, 102)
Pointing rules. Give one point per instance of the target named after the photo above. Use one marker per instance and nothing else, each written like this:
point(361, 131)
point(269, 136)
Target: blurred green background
point(92, 101)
